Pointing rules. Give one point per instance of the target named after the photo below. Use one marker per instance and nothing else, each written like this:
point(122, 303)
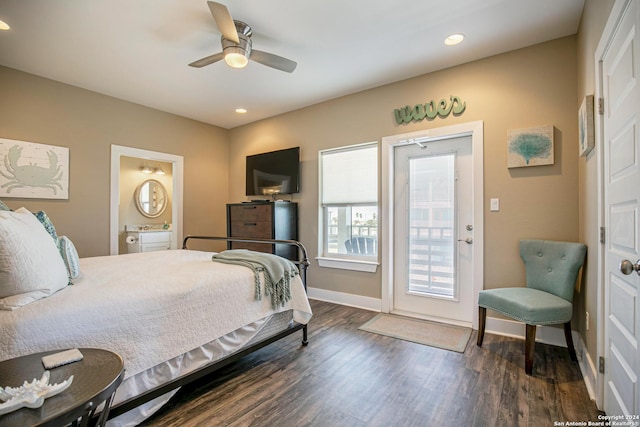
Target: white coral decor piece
point(30, 395)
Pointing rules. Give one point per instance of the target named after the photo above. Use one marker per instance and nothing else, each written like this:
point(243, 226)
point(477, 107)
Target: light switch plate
point(495, 205)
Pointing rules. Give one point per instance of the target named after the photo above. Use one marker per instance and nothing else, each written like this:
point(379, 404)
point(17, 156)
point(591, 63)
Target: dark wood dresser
point(264, 220)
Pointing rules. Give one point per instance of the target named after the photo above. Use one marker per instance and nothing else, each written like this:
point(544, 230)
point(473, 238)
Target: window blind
point(350, 175)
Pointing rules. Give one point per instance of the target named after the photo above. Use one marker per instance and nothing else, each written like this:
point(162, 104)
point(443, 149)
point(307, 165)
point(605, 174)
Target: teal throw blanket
point(278, 272)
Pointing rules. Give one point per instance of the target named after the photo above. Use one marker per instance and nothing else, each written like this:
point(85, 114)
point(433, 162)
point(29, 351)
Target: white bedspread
point(147, 307)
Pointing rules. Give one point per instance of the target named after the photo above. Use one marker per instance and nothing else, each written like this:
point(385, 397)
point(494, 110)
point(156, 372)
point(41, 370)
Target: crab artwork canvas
point(33, 170)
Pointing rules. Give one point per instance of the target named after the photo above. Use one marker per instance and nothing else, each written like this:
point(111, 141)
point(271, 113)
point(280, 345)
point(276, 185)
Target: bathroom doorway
point(154, 160)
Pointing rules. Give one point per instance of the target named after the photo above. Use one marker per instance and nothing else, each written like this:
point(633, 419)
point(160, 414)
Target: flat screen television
point(273, 173)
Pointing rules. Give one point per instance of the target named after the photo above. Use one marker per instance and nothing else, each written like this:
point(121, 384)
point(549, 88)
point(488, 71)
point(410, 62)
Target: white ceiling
point(138, 50)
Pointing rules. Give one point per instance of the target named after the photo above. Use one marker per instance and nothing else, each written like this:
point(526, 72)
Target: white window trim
point(346, 263)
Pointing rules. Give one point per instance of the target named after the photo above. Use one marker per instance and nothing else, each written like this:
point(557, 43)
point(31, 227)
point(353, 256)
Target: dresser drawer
point(250, 212)
point(257, 229)
point(263, 220)
point(257, 247)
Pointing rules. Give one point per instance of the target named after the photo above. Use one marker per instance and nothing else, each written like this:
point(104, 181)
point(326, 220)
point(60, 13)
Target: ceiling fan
point(236, 44)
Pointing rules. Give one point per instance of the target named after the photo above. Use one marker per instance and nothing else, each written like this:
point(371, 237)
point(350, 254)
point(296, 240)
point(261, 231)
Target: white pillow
point(30, 265)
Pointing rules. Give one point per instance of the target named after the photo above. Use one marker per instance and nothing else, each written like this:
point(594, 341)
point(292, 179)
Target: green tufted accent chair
point(551, 271)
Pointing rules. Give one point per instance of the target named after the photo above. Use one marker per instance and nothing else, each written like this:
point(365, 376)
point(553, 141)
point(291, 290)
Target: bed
point(179, 316)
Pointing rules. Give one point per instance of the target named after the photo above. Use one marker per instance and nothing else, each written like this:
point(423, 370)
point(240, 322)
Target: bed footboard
point(302, 262)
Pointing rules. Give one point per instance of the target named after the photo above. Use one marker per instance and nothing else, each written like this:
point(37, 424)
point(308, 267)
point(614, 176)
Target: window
point(349, 206)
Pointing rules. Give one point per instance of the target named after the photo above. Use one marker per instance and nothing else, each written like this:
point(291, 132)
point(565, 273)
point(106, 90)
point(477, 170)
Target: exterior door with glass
point(433, 229)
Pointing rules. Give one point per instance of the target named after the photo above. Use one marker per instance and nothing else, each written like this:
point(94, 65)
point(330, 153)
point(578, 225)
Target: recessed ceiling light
point(454, 39)
point(4, 25)
point(241, 110)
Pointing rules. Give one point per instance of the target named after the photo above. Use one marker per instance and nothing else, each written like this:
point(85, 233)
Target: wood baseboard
point(587, 367)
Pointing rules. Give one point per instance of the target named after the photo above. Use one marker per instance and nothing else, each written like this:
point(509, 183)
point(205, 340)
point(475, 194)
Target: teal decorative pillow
point(3, 207)
point(70, 256)
point(47, 224)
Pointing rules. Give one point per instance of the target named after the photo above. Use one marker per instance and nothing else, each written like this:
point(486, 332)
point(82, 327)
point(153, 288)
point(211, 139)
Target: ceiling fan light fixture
point(235, 59)
point(236, 44)
point(236, 55)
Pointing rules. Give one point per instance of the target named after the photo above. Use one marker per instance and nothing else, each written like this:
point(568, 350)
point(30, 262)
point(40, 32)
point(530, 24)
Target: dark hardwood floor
point(347, 377)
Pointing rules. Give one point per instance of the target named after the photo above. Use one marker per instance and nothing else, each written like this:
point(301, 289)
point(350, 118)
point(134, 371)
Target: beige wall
point(528, 87)
point(39, 110)
point(594, 18)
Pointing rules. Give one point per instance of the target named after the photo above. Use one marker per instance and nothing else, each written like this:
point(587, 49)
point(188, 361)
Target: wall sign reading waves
point(430, 110)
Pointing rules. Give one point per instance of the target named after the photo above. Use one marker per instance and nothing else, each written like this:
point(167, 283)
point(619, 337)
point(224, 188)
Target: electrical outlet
point(587, 320)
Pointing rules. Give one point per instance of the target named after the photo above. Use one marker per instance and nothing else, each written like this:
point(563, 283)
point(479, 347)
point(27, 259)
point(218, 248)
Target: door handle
point(469, 241)
point(627, 267)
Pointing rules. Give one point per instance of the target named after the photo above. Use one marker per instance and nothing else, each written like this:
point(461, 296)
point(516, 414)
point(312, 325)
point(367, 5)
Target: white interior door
point(434, 229)
point(621, 158)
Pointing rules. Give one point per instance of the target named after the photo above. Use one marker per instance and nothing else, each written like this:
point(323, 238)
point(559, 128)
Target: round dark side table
point(95, 380)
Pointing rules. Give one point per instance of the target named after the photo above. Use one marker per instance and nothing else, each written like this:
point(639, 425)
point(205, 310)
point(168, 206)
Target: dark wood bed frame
point(302, 263)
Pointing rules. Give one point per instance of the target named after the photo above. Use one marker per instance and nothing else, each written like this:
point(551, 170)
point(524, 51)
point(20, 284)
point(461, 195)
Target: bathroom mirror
point(151, 198)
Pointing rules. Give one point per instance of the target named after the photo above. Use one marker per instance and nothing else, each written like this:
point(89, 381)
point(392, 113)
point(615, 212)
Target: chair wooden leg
point(569, 338)
point(482, 317)
point(529, 349)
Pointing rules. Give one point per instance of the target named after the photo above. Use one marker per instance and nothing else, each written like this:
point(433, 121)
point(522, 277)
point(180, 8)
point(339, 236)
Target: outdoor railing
point(431, 253)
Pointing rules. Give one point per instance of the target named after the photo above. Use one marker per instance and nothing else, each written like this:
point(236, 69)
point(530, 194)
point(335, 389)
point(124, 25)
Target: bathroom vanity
point(147, 238)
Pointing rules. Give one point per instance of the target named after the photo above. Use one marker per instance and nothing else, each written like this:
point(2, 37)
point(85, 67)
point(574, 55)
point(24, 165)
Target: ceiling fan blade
point(207, 60)
point(273, 61)
point(224, 21)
